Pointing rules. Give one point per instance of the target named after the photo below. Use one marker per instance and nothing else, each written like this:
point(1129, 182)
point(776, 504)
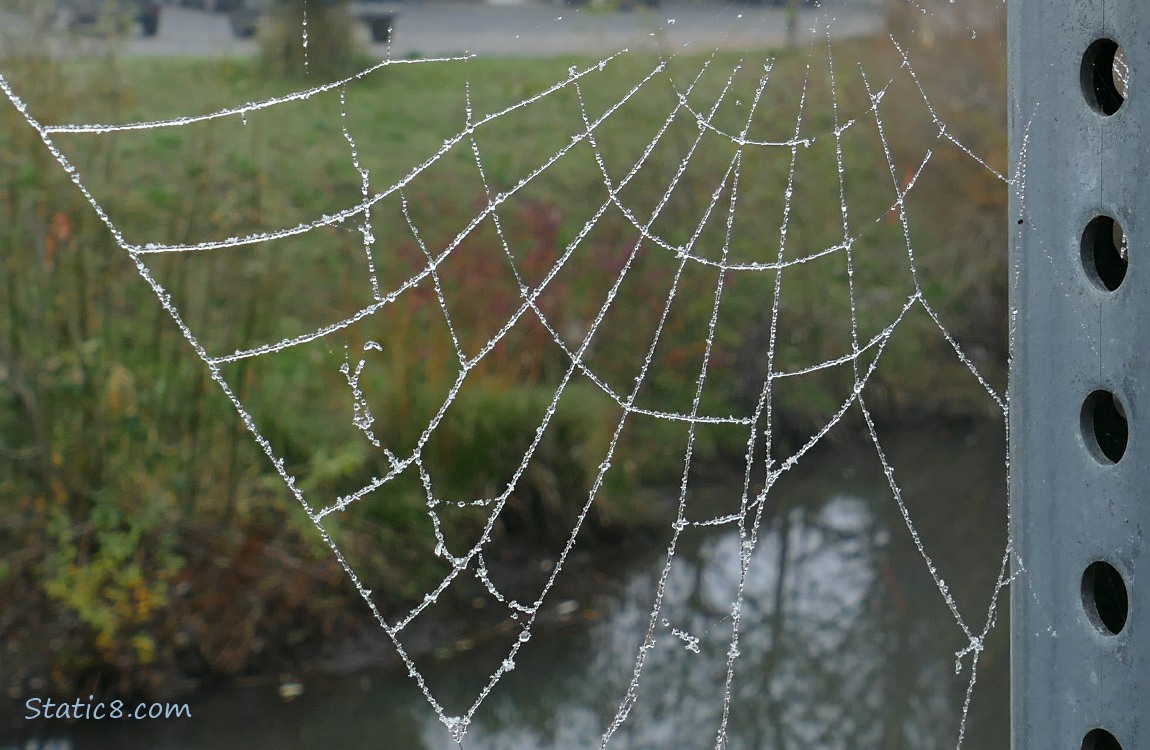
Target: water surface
point(845, 639)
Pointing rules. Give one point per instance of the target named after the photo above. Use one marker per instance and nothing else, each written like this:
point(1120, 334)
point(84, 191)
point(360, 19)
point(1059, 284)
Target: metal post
point(1080, 401)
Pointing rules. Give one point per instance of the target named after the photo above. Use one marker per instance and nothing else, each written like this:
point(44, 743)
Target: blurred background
point(150, 550)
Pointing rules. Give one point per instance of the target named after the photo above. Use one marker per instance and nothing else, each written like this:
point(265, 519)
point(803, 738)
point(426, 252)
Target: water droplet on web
point(690, 642)
point(457, 726)
point(525, 636)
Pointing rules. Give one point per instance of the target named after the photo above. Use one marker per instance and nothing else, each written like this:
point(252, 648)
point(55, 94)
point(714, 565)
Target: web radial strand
point(763, 410)
point(431, 264)
point(365, 192)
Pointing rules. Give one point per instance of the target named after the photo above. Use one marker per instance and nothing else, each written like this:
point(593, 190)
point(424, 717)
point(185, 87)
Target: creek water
point(845, 639)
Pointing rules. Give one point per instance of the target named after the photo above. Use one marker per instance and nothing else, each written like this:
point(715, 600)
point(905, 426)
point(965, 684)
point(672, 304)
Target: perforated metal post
point(1080, 402)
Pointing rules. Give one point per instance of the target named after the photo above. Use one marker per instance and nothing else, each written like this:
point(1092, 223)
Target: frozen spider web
point(675, 201)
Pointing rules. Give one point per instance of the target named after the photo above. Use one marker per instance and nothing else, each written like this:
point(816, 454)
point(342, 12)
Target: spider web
point(733, 145)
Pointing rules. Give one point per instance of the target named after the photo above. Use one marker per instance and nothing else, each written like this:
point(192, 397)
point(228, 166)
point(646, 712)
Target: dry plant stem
point(40, 455)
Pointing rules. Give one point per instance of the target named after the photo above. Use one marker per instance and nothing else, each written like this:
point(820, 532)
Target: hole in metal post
point(1104, 426)
point(1105, 76)
point(1104, 252)
point(1100, 739)
point(1104, 597)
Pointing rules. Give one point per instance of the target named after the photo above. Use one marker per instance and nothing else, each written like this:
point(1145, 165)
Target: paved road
point(536, 29)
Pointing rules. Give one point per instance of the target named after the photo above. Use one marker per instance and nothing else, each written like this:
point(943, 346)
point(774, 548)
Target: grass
point(138, 504)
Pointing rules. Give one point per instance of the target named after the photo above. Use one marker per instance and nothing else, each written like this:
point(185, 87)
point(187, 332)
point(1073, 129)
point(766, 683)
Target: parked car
point(621, 4)
point(378, 15)
point(245, 17)
point(77, 14)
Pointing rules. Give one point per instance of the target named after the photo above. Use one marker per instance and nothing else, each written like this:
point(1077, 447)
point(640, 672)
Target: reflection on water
point(844, 641)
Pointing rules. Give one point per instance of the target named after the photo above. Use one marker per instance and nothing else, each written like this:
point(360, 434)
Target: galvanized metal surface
point(1074, 683)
